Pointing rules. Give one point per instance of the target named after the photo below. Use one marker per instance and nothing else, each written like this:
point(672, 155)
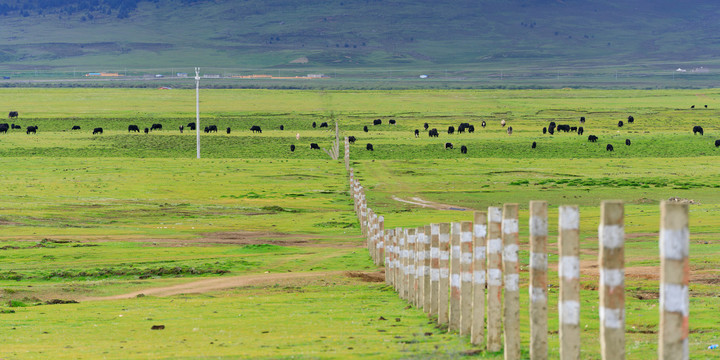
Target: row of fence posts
point(449, 270)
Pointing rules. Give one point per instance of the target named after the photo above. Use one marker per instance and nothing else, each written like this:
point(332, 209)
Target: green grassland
point(85, 215)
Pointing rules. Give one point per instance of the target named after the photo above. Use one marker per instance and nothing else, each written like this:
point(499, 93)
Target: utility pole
point(197, 109)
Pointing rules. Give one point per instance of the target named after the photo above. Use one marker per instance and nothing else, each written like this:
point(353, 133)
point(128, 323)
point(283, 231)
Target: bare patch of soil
point(378, 276)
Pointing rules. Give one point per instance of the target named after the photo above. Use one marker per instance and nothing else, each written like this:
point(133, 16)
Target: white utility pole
point(197, 109)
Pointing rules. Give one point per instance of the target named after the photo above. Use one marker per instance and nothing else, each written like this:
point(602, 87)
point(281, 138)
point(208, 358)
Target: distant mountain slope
point(56, 34)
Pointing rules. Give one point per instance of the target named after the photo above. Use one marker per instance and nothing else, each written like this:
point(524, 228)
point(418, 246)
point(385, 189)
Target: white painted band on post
point(410, 270)
point(537, 294)
point(509, 226)
point(434, 229)
point(495, 246)
point(479, 277)
point(479, 253)
point(466, 258)
point(404, 253)
point(434, 253)
point(421, 256)
point(538, 261)
point(423, 270)
point(466, 237)
point(455, 280)
point(434, 274)
point(444, 273)
point(538, 226)
point(570, 311)
point(444, 255)
point(456, 251)
point(612, 318)
point(495, 214)
point(467, 277)
point(510, 253)
point(480, 230)
point(612, 236)
point(675, 298)
point(612, 277)
point(570, 267)
point(674, 243)
point(494, 277)
point(512, 282)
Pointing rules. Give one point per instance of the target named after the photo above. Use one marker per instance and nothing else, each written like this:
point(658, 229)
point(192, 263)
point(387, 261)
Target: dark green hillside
point(521, 37)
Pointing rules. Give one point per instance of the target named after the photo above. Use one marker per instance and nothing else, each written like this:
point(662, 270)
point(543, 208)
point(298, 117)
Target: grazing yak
point(581, 130)
point(502, 122)
point(609, 147)
point(156, 127)
point(573, 128)
point(483, 124)
point(13, 127)
point(565, 128)
point(211, 128)
point(97, 131)
point(31, 129)
point(451, 129)
point(181, 129)
point(14, 114)
point(582, 119)
point(365, 129)
point(377, 122)
point(697, 129)
point(417, 132)
point(448, 146)
point(256, 129)
point(544, 130)
point(463, 149)
point(314, 125)
point(75, 127)
point(426, 126)
point(631, 119)
point(509, 130)
point(627, 142)
point(369, 147)
point(191, 126)
point(351, 139)
point(324, 124)
point(433, 133)
point(227, 130)
point(292, 148)
point(717, 143)
point(471, 129)
point(551, 130)
point(314, 146)
point(135, 128)
point(282, 127)
point(534, 145)
point(147, 130)
point(620, 123)
point(692, 107)
point(592, 138)
point(4, 128)
point(463, 127)
point(392, 121)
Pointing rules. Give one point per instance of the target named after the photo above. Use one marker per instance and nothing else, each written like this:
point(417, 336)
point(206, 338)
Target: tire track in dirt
point(214, 284)
point(430, 204)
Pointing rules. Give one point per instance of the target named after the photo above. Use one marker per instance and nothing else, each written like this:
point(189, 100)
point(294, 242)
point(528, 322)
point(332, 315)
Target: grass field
point(90, 216)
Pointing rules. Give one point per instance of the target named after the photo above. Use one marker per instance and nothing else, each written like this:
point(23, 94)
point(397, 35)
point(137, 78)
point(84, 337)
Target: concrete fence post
point(477, 333)
point(402, 262)
point(611, 234)
point(444, 284)
point(511, 314)
point(455, 276)
point(389, 261)
point(420, 266)
point(370, 239)
point(426, 283)
point(347, 153)
point(569, 273)
point(494, 280)
point(434, 268)
point(466, 277)
point(412, 254)
point(538, 280)
point(381, 241)
point(674, 281)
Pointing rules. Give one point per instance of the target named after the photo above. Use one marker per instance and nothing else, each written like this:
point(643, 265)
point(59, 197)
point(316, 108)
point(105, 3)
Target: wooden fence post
point(444, 284)
point(611, 234)
point(455, 235)
point(426, 248)
point(420, 266)
point(434, 268)
point(411, 279)
point(494, 279)
point(477, 333)
point(674, 281)
point(466, 277)
point(511, 315)
point(538, 280)
point(569, 273)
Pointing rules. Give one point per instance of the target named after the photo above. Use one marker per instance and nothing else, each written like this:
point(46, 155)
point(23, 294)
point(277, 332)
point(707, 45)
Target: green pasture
point(85, 215)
